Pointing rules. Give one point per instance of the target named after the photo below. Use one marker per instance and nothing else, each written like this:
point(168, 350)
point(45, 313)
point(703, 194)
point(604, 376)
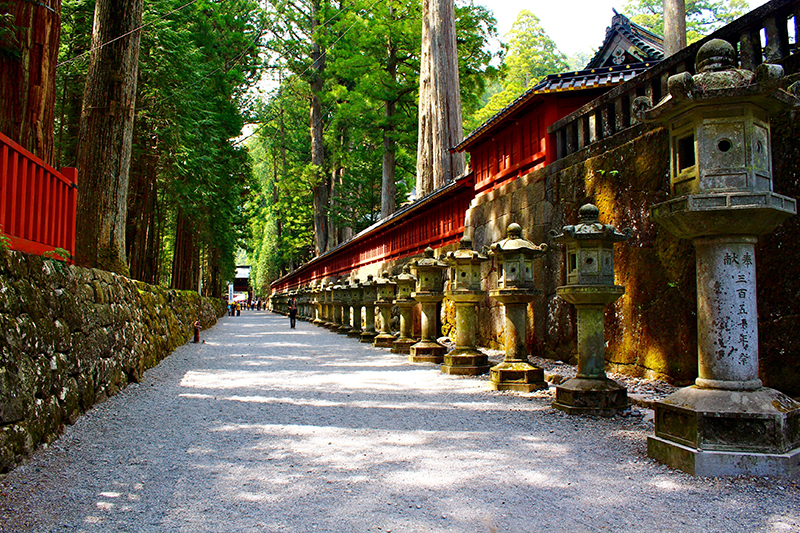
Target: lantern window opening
point(724, 145)
point(573, 262)
point(686, 153)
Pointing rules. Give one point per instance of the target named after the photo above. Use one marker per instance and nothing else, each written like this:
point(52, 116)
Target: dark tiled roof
point(567, 81)
point(640, 43)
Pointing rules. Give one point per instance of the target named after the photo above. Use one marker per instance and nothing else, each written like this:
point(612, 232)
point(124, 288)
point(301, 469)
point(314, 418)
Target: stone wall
point(70, 337)
point(651, 330)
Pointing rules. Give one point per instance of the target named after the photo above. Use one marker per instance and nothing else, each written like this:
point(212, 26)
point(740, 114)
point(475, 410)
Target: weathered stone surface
point(70, 337)
point(651, 330)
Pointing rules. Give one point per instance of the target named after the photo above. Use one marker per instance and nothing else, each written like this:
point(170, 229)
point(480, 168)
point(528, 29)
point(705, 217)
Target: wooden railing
point(37, 202)
point(761, 36)
point(436, 220)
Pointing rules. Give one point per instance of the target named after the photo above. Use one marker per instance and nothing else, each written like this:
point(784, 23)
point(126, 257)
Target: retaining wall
point(70, 337)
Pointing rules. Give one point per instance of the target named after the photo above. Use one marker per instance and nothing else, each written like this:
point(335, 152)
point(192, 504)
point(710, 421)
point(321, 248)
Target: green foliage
point(531, 56)
point(369, 107)
point(57, 257)
point(5, 241)
point(702, 16)
point(9, 42)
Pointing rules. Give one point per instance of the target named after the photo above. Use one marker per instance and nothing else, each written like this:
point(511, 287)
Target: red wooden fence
point(37, 202)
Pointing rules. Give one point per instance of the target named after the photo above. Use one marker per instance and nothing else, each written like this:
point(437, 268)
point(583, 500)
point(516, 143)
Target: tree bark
point(388, 187)
point(106, 133)
point(674, 26)
point(440, 99)
point(321, 188)
point(143, 243)
point(28, 70)
point(185, 264)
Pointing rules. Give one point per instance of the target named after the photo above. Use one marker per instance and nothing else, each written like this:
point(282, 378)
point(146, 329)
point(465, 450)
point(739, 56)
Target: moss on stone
point(70, 338)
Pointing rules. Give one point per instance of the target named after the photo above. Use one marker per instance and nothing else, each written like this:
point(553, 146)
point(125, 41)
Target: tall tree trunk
point(215, 280)
point(142, 244)
point(28, 59)
point(184, 264)
point(76, 25)
point(106, 133)
point(674, 26)
point(321, 188)
point(439, 99)
point(333, 234)
point(388, 188)
point(345, 231)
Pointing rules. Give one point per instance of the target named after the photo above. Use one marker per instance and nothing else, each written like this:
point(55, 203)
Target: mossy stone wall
point(70, 337)
point(651, 331)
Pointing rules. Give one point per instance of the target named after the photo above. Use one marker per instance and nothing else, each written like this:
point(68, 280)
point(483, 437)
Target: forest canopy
point(326, 92)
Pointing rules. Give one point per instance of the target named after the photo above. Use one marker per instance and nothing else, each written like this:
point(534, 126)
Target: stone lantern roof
point(590, 228)
point(406, 275)
point(719, 81)
point(465, 253)
point(515, 243)
point(428, 260)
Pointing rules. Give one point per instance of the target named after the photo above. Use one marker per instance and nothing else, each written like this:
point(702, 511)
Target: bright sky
point(575, 25)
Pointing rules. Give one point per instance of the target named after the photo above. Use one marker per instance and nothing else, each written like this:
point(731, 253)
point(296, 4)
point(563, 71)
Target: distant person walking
point(292, 313)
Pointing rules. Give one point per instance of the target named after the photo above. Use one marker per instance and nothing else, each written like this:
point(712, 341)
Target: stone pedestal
point(427, 350)
point(344, 326)
point(591, 392)
point(465, 359)
point(515, 372)
point(404, 340)
point(727, 424)
point(385, 339)
point(369, 333)
point(355, 327)
point(318, 306)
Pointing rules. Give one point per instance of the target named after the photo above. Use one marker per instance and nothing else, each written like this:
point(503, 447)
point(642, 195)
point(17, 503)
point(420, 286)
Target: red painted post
point(5, 174)
point(72, 176)
point(13, 200)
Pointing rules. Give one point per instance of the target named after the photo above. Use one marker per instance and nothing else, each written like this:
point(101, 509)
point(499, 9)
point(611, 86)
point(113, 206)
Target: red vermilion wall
point(37, 202)
point(434, 222)
point(521, 144)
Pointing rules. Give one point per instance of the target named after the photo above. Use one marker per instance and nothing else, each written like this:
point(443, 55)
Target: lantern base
point(517, 376)
point(427, 352)
point(318, 322)
point(383, 340)
point(367, 336)
point(466, 362)
point(344, 329)
point(591, 396)
point(403, 345)
point(714, 432)
point(354, 333)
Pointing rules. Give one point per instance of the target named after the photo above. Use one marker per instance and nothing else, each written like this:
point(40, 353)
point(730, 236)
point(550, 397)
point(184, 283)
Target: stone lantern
point(429, 273)
point(356, 296)
point(406, 283)
point(727, 423)
point(318, 293)
point(344, 326)
point(336, 304)
point(328, 305)
point(370, 295)
point(386, 292)
point(515, 289)
point(465, 292)
point(590, 286)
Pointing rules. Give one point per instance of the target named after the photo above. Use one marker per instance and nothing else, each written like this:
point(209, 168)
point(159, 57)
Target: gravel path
point(267, 429)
